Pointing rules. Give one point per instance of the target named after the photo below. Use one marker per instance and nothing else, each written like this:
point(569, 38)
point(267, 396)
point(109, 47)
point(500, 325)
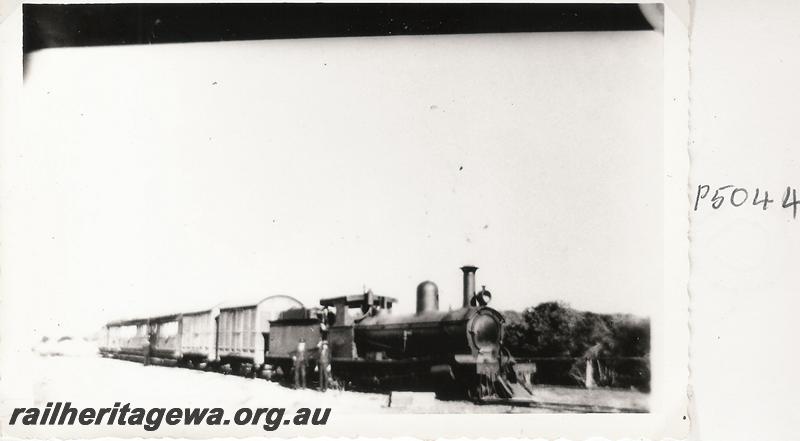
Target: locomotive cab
point(341, 331)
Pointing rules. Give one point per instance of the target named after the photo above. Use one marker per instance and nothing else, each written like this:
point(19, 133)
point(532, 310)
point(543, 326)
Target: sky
point(164, 178)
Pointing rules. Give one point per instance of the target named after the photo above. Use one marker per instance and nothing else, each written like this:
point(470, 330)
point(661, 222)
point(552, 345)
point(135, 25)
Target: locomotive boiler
point(430, 332)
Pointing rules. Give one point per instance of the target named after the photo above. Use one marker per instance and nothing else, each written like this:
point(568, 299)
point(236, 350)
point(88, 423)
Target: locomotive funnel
point(427, 297)
point(469, 283)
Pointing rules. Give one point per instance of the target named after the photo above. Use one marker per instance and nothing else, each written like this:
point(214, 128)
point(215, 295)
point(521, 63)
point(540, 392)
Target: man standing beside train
point(300, 364)
point(324, 366)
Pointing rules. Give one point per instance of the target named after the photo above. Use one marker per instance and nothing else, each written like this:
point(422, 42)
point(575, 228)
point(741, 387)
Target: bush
point(560, 340)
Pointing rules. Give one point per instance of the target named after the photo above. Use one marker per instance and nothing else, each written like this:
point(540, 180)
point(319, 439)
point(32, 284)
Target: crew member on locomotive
point(326, 319)
point(300, 359)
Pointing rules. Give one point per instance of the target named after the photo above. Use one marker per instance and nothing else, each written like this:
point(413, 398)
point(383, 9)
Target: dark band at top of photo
point(66, 25)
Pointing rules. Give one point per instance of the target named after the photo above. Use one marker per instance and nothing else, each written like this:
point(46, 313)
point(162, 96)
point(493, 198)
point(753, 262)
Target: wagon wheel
point(337, 383)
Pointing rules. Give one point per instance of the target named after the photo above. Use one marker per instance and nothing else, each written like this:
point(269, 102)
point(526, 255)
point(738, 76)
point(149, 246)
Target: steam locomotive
point(457, 353)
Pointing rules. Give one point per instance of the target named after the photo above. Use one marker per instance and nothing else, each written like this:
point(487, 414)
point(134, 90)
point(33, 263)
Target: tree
point(562, 339)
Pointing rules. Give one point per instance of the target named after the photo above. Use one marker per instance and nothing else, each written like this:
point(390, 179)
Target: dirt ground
point(96, 381)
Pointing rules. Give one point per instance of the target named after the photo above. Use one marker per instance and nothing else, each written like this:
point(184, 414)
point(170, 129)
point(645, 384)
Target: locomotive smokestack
point(469, 283)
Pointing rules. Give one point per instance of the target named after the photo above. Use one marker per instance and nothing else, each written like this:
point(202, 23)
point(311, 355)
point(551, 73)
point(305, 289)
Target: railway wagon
point(126, 339)
point(198, 343)
point(164, 339)
point(243, 330)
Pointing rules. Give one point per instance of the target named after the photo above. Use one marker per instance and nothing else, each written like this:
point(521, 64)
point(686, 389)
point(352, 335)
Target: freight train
point(456, 353)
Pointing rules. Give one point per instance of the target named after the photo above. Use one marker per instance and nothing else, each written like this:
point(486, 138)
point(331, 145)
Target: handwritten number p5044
point(739, 196)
